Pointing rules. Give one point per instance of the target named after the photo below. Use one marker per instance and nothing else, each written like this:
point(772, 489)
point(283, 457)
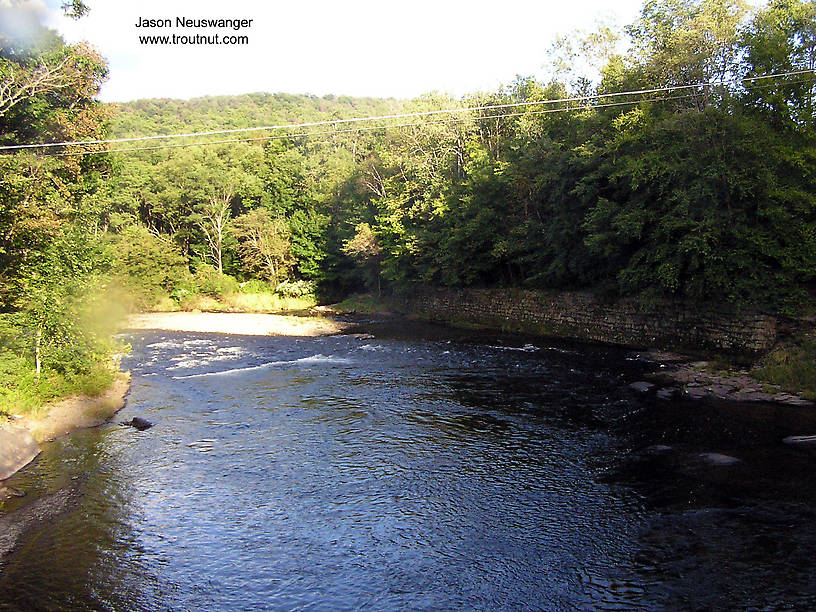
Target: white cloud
point(363, 47)
point(19, 21)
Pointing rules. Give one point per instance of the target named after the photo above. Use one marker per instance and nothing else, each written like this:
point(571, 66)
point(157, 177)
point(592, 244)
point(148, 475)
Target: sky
point(351, 47)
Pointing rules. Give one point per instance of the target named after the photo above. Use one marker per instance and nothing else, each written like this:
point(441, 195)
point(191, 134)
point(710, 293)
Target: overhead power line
point(377, 127)
point(368, 129)
point(407, 115)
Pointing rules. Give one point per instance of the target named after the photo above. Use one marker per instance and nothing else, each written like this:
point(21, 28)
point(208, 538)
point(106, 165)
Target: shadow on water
point(74, 538)
point(423, 468)
point(731, 507)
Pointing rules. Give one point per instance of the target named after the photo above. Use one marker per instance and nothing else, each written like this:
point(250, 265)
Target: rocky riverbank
point(682, 376)
point(678, 375)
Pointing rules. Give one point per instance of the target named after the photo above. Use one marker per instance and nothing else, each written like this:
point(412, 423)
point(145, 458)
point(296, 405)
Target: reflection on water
point(419, 469)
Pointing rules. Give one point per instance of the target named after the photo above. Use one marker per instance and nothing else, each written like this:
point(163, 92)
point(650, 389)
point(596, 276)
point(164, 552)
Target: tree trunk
point(220, 243)
point(37, 341)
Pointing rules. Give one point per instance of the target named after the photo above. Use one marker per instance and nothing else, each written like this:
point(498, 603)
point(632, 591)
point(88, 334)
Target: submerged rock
point(641, 386)
point(9, 491)
point(718, 459)
point(800, 440)
point(721, 390)
point(695, 392)
point(797, 401)
point(657, 449)
point(139, 423)
point(362, 336)
point(667, 393)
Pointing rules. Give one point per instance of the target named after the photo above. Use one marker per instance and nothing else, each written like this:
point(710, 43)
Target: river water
point(419, 469)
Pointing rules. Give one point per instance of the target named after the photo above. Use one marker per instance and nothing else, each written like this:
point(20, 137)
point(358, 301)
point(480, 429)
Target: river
point(422, 468)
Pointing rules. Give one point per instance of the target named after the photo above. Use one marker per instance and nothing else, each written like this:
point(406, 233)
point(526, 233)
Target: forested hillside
point(163, 116)
point(704, 192)
point(702, 186)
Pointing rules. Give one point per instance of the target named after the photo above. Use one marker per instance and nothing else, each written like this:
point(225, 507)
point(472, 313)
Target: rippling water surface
point(420, 469)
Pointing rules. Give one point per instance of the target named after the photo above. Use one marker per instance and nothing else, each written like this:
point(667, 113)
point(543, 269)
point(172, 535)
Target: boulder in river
point(139, 423)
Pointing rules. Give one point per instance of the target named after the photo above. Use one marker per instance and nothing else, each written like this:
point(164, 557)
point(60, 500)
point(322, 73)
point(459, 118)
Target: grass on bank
point(363, 303)
point(23, 392)
point(209, 291)
point(237, 302)
point(75, 344)
point(792, 367)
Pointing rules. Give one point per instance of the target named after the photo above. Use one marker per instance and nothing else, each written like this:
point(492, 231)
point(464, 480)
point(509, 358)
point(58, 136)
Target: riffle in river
point(422, 468)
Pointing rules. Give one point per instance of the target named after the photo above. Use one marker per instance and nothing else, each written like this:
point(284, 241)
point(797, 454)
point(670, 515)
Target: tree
point(685, 42)
point(55, 73)
point(47, 90)
point(365, 249)
point(214, 214)
point(580, 56)
point(46, 86)
point(264, 244)
point(782, 38)
point(62, 307)
point(148, 265)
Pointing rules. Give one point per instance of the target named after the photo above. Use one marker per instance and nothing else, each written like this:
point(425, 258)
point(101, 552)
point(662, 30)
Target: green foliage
point(686, 214)
point(256, 285)
point(296, 289)
point(214, 284)
point(265, 302)
point(22, 391)
point(705, 193)
point(18, 384)
point(59, 339)
point(364, 248)
point(782, 38)
point(309, 229)
point(149, 266)
point(55, 338)
point(792, 367)
point(264, 244)
point(363, 303)
point(65, 312)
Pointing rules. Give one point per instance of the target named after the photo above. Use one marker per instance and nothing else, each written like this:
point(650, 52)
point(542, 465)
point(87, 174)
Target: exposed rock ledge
point(18, 440)
point(680, 376)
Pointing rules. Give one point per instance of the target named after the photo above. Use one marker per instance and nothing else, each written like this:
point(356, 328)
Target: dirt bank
point(237, 323)
point(18, 439)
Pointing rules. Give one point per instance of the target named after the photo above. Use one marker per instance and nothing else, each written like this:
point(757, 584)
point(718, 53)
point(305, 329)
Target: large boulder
point(17, 449)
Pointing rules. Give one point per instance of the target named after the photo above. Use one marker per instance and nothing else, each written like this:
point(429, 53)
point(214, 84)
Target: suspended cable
point(367, 129)
point(379, 127)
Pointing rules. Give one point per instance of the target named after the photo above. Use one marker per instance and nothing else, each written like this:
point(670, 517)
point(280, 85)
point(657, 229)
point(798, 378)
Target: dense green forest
point(704, 192)
point(703, 187)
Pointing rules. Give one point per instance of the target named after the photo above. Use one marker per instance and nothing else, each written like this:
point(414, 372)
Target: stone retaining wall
point(582, 316)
